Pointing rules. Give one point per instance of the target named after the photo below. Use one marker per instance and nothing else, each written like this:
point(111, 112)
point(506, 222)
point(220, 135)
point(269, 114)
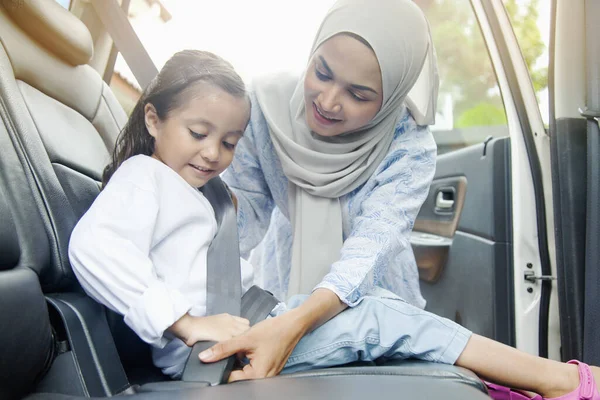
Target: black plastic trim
point(569, 267)
point(591, 343)
point(504, 277)
point(569, 157)
point(91, 343)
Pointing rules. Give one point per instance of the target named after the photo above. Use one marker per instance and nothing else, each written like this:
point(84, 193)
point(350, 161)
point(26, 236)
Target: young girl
point(141, 248)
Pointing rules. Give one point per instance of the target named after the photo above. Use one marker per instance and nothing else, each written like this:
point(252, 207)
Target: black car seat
point(63, 120)
point(27, 345)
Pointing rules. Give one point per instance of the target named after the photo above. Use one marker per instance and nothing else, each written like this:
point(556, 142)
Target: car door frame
point(531, 183)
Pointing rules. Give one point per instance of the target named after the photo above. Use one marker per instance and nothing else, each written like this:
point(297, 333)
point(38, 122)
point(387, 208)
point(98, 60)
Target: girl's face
point(342, 88)
point(197, 140)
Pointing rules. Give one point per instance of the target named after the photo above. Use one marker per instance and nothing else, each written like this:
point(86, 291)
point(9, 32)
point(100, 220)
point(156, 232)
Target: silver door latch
point(530, 276)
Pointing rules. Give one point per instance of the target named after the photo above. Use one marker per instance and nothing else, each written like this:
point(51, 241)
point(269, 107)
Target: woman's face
point(342, 87)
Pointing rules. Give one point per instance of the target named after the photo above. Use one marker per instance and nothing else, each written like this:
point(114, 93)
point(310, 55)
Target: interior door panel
point(463, 243)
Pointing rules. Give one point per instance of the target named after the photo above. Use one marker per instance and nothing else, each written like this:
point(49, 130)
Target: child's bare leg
point(510, 367)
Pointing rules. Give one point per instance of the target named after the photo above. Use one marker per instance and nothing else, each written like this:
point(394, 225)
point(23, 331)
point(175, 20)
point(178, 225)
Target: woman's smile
point(322, 118)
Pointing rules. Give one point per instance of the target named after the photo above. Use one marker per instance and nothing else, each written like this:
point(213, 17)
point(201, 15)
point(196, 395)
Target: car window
point(65, 3)
point(531, 23)
point(470, 107)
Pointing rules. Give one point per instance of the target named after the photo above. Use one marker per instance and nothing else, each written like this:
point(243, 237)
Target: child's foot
point(596, 373)
point(579, 383)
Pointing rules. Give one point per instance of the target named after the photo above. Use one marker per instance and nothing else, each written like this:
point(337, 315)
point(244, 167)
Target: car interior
point(60, 121)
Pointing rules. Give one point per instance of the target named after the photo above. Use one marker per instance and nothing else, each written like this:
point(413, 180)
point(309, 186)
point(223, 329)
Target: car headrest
point(55, 28)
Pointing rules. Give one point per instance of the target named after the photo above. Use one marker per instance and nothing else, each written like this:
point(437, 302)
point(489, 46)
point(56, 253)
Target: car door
point(480, 238)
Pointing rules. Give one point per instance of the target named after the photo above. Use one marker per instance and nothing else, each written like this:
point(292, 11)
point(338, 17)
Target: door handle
point(445, 200)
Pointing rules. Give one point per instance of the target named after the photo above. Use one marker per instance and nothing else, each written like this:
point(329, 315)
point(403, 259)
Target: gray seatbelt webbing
point(224, 287)
point(257, 304)
point(224, 282)
point(591, 340)
point(116, 23)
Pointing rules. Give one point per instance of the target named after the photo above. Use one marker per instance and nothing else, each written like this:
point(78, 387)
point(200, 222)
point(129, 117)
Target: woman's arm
point(246, 179)
point(381, 229)
point(268, 344)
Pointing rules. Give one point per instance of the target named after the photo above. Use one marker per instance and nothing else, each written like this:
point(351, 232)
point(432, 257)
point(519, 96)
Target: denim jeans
point(381, 325)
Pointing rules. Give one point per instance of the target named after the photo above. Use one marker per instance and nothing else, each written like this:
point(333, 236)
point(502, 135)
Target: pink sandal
point(498, 392)
point(587, 389)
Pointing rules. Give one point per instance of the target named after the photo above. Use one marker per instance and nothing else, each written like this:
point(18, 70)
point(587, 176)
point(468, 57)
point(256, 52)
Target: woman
point(333, 169)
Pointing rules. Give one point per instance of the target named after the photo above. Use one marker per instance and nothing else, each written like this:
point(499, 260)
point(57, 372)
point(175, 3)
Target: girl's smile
point(203, 172)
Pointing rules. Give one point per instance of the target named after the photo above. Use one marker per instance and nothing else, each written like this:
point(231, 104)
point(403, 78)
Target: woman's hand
point(215, 328)
point(268, 344)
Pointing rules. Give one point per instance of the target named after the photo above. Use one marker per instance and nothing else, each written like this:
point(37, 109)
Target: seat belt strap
point(224, 282)
point(257, 304)
point(117, 24)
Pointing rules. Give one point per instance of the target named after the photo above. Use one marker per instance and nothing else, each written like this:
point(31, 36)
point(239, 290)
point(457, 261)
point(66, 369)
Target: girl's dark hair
point(168, 90)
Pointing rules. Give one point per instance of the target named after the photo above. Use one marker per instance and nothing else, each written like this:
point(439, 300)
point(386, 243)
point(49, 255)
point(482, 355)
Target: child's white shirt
point(141, 250)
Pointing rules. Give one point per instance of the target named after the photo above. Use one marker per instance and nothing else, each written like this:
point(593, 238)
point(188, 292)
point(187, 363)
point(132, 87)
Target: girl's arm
point(109, 251)
point(215, 328)
point(218, 327)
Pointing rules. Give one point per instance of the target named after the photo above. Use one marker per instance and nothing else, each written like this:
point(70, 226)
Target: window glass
point(470, 107)
point(531, 23)
point(65, 3)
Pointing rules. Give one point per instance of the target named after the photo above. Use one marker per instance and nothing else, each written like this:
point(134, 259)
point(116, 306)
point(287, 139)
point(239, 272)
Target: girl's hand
point(218, 328)
point(215, 328)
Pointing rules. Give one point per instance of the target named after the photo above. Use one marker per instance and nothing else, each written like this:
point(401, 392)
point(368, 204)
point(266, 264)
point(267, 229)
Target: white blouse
point(141, 250)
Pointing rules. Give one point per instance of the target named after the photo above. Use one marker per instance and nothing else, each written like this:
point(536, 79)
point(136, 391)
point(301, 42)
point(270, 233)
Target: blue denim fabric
point(381, 325)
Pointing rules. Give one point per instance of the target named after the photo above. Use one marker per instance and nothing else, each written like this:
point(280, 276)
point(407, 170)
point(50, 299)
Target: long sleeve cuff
point(154, 311)
point(348, 295)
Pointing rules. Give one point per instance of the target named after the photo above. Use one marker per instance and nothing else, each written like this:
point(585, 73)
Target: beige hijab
point(321, 170)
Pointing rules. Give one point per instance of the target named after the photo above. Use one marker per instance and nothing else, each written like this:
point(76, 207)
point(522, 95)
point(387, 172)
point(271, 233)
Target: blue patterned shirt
point(377, 217)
